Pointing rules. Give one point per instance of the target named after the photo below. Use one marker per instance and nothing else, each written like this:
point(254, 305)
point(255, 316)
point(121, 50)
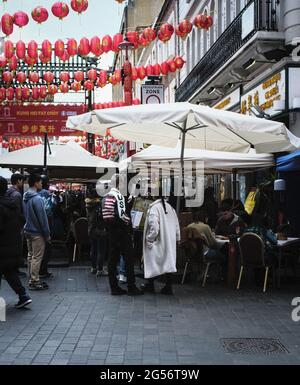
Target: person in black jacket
point(11, 244)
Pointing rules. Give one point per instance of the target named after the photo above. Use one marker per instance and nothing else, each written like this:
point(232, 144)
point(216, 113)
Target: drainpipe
point(291, 19)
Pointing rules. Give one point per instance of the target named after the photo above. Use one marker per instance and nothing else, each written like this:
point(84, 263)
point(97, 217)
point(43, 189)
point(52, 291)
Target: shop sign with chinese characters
point(265, 95)
point(38, 119)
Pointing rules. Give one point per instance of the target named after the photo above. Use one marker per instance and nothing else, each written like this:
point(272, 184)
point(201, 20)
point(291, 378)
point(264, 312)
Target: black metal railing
point(231, 40)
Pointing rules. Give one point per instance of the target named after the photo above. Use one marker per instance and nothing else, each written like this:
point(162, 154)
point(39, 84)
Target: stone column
point(291, 19)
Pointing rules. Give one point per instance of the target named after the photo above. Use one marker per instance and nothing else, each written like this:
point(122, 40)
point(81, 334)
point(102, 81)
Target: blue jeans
point(98, 252)
point(122, 269)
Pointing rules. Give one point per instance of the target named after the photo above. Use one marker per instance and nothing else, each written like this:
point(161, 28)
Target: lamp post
point(127, 72)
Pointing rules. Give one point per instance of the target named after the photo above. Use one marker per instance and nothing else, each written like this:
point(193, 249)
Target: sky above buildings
point(102, 17)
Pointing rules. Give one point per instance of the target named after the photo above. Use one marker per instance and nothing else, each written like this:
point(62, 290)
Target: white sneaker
point(122, 278)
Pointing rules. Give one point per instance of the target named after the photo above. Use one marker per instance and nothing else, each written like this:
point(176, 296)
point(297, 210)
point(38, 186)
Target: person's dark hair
point(226, 205)
point(200, 215)
point(15, 178)
point(45, 182)
point(239, 206)
point(33, 178)
point(3, 186)
point(92, 193)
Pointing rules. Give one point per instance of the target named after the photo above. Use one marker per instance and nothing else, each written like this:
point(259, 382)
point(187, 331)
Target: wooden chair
point(81, 235)
point(252, 252)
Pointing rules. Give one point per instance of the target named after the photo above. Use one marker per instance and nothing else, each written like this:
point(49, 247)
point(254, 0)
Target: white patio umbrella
point(199, 127)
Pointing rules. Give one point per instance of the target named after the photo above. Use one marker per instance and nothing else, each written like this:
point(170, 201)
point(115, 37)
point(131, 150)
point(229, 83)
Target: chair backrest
point(252, 250)
point(185, 219)
point(81, 231)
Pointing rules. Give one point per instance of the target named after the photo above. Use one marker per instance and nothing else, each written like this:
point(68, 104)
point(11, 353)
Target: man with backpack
point(36, 231)
point(120, 242)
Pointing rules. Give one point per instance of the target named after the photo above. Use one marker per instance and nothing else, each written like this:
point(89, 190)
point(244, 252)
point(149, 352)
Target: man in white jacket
point(161, 232)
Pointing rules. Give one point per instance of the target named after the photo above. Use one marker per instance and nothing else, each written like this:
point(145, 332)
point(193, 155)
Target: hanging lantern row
point(121, 103)
point(40, 14)
point(14, 143)
point(92, 78)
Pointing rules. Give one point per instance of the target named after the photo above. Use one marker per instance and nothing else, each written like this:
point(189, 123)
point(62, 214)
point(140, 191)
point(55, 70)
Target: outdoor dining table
point(281, 245)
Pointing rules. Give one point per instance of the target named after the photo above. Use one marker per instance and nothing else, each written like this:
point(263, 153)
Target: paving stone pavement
point(78, 322)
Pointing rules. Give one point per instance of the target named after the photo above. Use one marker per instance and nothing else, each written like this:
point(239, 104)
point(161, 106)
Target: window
point(193, 50)
point(213, 28)
point(188, 50)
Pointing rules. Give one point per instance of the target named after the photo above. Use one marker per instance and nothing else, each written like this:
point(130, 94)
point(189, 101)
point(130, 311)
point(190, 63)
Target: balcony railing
point(231, 40)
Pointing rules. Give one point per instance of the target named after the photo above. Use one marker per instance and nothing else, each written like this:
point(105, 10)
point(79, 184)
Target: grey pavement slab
point(79, 322)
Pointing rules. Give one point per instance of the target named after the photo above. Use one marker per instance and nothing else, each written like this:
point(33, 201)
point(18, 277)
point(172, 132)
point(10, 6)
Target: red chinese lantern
point(149, 70)
point(133, 37)
point(8, 49)
point(203, 21)
point(72, 47)
point(103, 77)
point(2, 94)
point(33, 77)
point(179, 62)
point(40, 14)
point(59, 48)
point(118, 76)
point(7, 77)
point(141, 72)
point(113, 80)
point(106, 43)
point(79, 76)
point(21, 19)
point(84, 47)
point(179, 33)
point(60, 9)
point(43, 92)
point(164, 68)
point(21, 77)
point(48, 77)
point(35, 93)
point(95, 46)
point(136, 102)
point(149, 34)
point(30, 61)
point(65, 56)
point(142, 41)
point(156, 70)
point(172, 65)
point(46, 48)
point(13, 63)
point(7, 24)
point(117, 40)
point(64, 77)
point(44, 59)
point(18, 93)
point(32, 49)
point(185, 26)
point(76, 86)
point(209, 22)
point(52, 89)
point(64, 88)
point(165, 32)
point(89, 85)
point(134, 73)
point(21, 50)
point(3, 62)
point(79, 6)
point(25, 93)
point(10, 94)
point(92, 75)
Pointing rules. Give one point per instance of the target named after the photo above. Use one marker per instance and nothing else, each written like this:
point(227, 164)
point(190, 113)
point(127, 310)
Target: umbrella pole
point(181, 165)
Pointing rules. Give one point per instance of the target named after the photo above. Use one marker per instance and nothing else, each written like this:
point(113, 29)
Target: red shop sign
point(38, 119)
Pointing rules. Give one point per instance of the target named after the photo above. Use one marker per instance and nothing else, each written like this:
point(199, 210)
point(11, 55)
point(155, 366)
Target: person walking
point(36, 231)
point(120, 242)
point(97, 233)
point(11, 244)
point(49, 207)
point(15, 192)
point(161, 232)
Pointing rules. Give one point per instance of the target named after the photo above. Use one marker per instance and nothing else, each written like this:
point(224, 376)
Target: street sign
point(152, 94)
